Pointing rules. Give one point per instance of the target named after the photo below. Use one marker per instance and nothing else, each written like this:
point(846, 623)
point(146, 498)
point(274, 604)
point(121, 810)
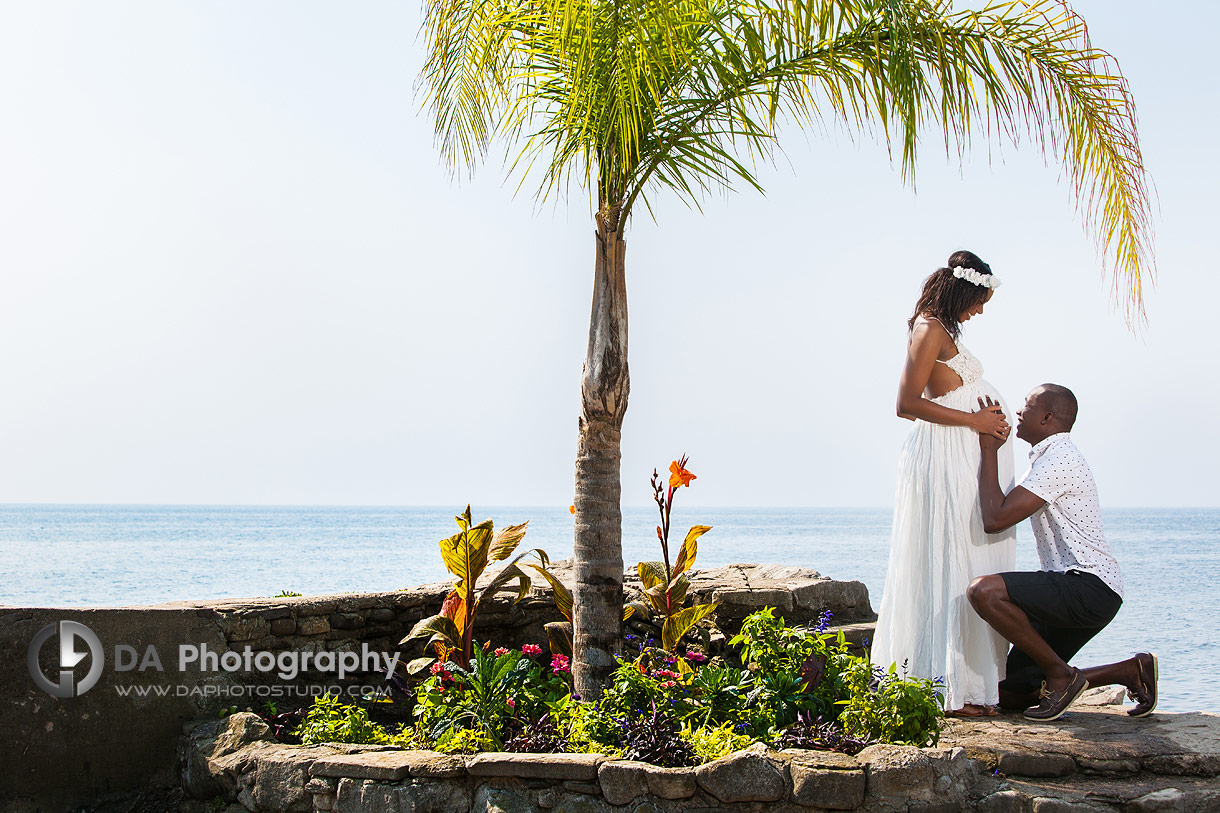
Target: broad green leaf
point(563, 596)
point(465, 553)
point(681, 622)
point(677, 592)
point(418, 665)
point(559, 637)
point(434, 625)
point(651, 574)
point(640, 609)
point(505, 541)
point(686, 554)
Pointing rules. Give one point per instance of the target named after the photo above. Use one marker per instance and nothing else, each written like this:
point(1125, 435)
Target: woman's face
point(976, 309)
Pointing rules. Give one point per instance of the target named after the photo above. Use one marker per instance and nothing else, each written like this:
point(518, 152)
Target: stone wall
point(1099, 760)
point(103, 744)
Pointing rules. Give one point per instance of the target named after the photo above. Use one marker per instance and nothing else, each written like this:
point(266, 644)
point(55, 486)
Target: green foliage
point(886, 707)
point(466, 555)
point(793, 670)
point(713, 743)
point(497, 690)
point(286, 594)
point(331, 721)
point(628, 99)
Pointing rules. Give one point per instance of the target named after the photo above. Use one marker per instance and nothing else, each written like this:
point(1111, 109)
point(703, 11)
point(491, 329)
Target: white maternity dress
point(938, 546)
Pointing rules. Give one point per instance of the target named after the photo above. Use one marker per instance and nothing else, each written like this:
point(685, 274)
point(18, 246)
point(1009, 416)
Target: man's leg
point(990, 599)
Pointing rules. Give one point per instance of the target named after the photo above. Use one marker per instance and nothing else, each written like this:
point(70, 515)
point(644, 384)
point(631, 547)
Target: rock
point(622, 780)
point(1004, 801)
point(1049, 804)
point(211, 741)
point(744, 776)
point(430, 796)
point(432, 765)
point(578, 767)
point(283, 626)
point(1103, 696)
point(1030, 763)
point(384, 765)
point(278, 780)
point(239, 627)
point(830, 789)
point(1184, 764)
point(1169, 800)
point(1108, 767)
point(828, 760)
point(671, 783)
point(579, 803)
point(312, 625)
point(346, 621)
point(896, 772)
point(496, 800)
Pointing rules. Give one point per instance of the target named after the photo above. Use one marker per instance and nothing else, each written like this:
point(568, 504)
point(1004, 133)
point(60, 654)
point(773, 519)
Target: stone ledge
point(571, 767)
point(1043, 768)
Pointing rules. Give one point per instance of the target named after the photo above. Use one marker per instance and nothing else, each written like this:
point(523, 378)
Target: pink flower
point(697, 657)
point(669, 684)
point(560, 664)
point(512, 704)
point(531, 649)
point(438, 668)
point(501, 651)
point(665, 673)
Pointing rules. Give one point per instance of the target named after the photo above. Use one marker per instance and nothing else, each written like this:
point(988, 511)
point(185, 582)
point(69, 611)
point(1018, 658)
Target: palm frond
point(629, 97)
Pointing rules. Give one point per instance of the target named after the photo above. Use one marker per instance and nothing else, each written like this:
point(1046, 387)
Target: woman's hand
point(990, 420)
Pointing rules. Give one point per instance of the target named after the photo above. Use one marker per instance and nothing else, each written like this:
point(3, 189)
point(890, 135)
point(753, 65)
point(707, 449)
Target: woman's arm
point(927, 339)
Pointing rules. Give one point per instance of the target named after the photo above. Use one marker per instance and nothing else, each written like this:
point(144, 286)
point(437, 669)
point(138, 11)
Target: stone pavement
point(1098, 758)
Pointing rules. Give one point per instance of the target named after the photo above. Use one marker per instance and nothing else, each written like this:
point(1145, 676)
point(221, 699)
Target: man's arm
point(1001, 512)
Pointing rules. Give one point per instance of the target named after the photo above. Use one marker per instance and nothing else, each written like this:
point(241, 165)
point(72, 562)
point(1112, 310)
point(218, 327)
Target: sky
point(233, 269)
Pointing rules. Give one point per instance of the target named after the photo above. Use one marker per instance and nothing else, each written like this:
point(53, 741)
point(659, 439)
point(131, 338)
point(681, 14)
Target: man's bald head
point(1048, 410)
point(1060, 402)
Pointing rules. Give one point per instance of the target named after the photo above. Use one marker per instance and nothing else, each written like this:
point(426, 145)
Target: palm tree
point(628, 98)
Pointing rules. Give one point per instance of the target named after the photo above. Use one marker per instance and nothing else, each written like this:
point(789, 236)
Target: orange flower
point(571, 509)
point(678, 475)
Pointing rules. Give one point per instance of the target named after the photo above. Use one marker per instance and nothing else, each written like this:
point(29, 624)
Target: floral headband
point(977, 278)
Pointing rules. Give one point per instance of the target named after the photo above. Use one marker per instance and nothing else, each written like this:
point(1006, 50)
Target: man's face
point(1028, 416)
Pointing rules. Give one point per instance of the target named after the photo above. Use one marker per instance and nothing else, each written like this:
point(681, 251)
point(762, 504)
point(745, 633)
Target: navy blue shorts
point(1066, 609)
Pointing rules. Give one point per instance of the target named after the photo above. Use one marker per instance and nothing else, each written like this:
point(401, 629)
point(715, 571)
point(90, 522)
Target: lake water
point(82, 555)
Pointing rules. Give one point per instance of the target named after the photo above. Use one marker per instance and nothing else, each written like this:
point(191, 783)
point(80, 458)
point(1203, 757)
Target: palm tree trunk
point(598, 597)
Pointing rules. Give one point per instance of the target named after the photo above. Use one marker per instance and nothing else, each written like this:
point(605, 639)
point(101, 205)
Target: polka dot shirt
point(1068, 528)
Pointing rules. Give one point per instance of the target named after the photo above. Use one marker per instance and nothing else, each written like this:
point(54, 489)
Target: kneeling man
point(1049, 615)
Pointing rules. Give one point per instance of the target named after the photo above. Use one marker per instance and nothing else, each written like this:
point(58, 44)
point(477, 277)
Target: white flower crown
point(977, 278)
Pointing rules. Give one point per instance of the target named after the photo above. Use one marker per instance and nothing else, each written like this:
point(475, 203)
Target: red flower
point(531, 649)
point(501, 651)
point(560, 664)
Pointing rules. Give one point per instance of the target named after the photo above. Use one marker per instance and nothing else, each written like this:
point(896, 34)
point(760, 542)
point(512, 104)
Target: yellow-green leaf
point(686, 554)
point(651, 574)
point(681, 622)
point(465, 553)
point(563, 596)
point(436, 625)
point(505, 541)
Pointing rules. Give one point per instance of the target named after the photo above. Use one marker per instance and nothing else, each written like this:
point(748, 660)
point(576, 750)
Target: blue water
point(81, 555)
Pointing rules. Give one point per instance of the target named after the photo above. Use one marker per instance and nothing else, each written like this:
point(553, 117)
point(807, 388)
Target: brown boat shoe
point(1144, 693)
point(1054, 704)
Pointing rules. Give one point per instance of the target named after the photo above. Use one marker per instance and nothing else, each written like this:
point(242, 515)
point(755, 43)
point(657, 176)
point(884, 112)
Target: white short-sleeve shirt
point(1068, 528)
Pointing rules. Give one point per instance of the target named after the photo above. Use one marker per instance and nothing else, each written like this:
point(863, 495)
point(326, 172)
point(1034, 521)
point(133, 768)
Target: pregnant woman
point(938, 544)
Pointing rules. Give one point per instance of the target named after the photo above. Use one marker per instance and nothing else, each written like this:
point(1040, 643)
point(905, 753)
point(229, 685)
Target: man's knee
point(986, 590)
